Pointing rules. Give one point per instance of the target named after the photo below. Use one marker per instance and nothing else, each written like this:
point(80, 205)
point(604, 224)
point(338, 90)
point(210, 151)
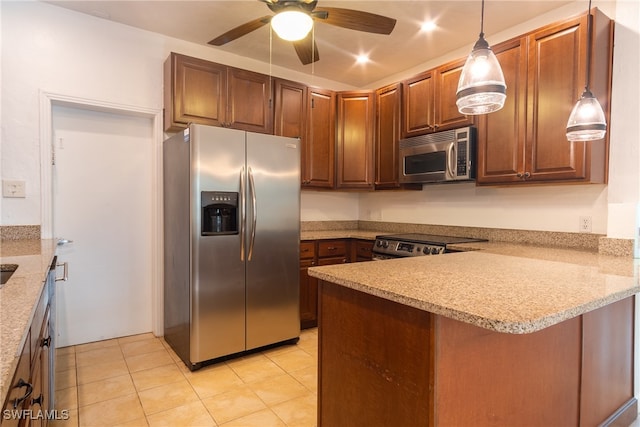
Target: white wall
point(46, 48)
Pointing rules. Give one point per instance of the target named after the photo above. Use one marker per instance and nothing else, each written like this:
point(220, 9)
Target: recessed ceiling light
point(428, 26)
point(362, 59)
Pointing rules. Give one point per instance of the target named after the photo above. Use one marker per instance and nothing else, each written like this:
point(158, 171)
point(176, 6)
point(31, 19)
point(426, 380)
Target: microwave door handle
point(451, 160)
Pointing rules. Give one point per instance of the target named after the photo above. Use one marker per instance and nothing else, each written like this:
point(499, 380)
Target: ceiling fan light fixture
point(292, 25)
point(481, 88)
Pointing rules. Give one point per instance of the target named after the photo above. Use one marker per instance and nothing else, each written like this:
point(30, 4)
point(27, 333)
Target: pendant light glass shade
point(481, 88)
point(292, 25)
point(586, 122)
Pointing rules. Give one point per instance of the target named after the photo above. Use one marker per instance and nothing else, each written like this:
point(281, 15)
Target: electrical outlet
point(13, 188)
point(585, 224)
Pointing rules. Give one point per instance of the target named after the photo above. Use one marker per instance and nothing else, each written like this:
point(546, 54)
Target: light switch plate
point(13, 188)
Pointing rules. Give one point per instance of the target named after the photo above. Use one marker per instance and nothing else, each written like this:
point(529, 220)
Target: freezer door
point(273, 239)
point(218, 292)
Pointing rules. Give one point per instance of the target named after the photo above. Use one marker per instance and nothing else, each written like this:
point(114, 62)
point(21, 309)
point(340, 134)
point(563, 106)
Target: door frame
point(47, 101)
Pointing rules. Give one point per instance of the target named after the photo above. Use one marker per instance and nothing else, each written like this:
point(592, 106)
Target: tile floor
point(140, 381)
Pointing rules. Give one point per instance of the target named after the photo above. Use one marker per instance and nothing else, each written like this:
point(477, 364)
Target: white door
point(102, 201)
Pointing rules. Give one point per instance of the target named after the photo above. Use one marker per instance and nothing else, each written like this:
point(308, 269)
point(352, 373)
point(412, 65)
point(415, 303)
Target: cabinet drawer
point(364, 249)
point(332, 248)
point(306, 263)
point(334, 260)
point(307, 250)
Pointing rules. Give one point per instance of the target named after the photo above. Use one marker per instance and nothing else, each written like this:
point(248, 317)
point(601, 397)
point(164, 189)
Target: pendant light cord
point(482, 19)
point(589, 36)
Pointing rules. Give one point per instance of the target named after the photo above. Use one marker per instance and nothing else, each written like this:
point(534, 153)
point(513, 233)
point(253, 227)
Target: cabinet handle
point(46, 342)
point(523, 175)
point(65, 272)
point(331, 248)
point(19, 400)
point(527, 175)
point(37, 400)
point(313, 263)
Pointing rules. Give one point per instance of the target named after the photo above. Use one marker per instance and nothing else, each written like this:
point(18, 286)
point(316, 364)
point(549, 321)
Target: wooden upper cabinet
point(290, 108)
point(527, 141)
point(502, 134)
point(429, 101)
point(250, 101)
point(318, 164)
point(446, 111)
point(203, 92)
point(194, 92)
point(387, 135)
point(355, 130)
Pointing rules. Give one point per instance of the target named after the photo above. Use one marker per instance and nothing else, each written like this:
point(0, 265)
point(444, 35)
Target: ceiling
point(458, 26)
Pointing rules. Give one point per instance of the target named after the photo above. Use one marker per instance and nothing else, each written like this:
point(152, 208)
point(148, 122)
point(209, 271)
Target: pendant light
point(587, 121)
point(481, 88)
point(292, 25)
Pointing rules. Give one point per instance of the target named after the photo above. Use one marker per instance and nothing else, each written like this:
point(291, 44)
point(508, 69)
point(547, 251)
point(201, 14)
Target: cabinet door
point(446, 111)
point(502, 134)
point(249, 105)
point(194, 92)
point(556, 80)
point(290, 111)
point(417, 105)
point(355, 139)
point(319, 162)
point(308, 296)
point(387, 136)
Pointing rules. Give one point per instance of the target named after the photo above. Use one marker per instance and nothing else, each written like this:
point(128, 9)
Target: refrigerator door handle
point(255, 213)
point(243, 213)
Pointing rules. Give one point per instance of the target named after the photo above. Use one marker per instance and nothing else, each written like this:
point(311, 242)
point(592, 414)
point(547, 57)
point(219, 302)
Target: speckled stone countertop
point(340, 234)
point(18, 298)
point(503, 287)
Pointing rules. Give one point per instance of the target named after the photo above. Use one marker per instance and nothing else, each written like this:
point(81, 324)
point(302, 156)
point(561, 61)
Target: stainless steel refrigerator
point(231, 242)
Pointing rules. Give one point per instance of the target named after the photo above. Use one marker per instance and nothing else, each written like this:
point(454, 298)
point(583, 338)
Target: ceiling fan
point(306, 47)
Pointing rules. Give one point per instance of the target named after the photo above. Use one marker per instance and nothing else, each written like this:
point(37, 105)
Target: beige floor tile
point(65, 362)
point(141, 347)
point(110, 388)
point(154, 359)
point(158, 376)
point(213, 380)
point(81, 348)
point(172, 353)
point(101, 371)
point(112, 412)
point(299, 412)
point(254, 367)
point(65, 379)
point(68, 420)
point(99, 355)
point(193, 414)
point(234, 404)
point(308, 377)
point(133, 338)
point(67, 398)
point(264, 418)
point(140, 422)
point(274, 390)
point(293, 360)
point(167, 396)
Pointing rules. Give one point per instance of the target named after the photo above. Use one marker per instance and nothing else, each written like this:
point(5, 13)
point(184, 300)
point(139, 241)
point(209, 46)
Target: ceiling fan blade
point(357, 20)
point(307, 50)
point(240, 31)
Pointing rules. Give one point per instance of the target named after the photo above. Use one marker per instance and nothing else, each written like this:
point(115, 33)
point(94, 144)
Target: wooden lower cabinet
point(382, 363)
point(325, 252)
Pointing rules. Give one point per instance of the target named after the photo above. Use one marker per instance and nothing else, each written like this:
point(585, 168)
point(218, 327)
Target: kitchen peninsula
point(500, 334)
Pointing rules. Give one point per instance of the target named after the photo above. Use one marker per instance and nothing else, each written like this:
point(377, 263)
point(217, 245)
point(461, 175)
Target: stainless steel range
point(415, 244)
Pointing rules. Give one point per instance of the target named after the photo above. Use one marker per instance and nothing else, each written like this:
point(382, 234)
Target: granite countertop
point(18, 298)
point(503, 287)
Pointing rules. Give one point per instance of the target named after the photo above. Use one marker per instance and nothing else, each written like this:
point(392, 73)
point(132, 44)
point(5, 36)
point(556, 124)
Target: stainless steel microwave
point(439, 157)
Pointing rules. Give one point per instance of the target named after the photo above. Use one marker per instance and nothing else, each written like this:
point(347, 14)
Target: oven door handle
point(451, 160)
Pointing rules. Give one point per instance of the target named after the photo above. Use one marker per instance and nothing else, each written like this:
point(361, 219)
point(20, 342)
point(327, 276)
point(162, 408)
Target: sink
point(6, 270)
